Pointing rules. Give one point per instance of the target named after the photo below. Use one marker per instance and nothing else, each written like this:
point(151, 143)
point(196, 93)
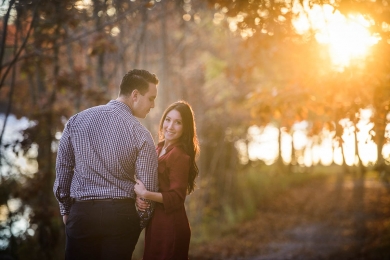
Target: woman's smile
point(173, 127)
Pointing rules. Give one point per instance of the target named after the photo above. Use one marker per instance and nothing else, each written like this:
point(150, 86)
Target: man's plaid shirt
point(100, 152)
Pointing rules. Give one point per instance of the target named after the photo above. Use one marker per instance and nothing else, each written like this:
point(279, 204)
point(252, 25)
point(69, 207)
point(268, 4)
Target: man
point(101, 151)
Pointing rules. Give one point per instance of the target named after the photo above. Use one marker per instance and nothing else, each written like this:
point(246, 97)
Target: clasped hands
point(139, 189)
point(142, 205)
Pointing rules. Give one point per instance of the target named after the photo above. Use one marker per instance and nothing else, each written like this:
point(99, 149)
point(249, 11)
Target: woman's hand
point(142, 205)
point(143, 193)
point(139, 189)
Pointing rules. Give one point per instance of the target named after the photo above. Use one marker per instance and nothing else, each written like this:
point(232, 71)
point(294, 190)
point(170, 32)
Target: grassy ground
point(257, 186)
point(336, 216)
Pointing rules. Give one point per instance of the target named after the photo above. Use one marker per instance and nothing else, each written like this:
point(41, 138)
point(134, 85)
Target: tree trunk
point(361, 168)
point(293, 161)
point(164, 63)
point(344, 164)
point(141, 40)
point(280, 167)
point(380, 128)
point(99, 5)
point(183, 61)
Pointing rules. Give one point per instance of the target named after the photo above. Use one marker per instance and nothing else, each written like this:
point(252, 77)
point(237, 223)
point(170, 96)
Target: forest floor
point(341, 216)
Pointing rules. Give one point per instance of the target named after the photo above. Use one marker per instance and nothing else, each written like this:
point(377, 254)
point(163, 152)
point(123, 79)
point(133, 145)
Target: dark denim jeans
point(102, 230)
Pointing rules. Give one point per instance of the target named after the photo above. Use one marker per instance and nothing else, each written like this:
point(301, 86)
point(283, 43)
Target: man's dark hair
point(137, 79)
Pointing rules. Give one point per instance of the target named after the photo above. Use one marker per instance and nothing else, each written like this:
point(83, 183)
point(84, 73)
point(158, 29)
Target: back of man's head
point(137, 79)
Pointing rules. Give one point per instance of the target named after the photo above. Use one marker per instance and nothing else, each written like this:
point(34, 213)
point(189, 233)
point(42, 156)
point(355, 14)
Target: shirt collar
point(120, 105)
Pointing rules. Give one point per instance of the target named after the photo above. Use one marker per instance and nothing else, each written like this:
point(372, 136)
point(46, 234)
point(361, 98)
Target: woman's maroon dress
point(168, 233)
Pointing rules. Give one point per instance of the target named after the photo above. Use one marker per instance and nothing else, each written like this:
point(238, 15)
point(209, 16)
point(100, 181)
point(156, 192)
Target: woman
point(168, 233)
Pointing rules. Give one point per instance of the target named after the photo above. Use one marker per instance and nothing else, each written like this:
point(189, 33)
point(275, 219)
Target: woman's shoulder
point(179, 148)
point(178, 152)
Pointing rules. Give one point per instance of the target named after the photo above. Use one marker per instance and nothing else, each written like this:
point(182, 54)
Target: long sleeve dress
point(168, 233)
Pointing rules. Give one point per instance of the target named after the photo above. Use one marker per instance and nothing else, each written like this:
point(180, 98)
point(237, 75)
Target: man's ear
point(134, 94)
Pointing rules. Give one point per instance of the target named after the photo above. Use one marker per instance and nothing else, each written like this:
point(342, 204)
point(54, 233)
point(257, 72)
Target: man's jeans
point(102, 230)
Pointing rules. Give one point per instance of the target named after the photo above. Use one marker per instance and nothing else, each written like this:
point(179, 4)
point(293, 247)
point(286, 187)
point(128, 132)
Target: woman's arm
point(174, 198)
point(178, 164)
point(142, 192)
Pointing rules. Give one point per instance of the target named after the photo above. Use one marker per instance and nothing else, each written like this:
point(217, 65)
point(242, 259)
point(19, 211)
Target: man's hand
point(141, 204)
point(64, 218)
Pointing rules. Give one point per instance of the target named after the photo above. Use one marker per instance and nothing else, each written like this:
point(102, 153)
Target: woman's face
point(173, 126)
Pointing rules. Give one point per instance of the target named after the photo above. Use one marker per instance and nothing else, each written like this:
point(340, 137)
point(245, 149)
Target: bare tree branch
point(10, 95)
point(86, 34)
point(5, 27)
point(21, 47)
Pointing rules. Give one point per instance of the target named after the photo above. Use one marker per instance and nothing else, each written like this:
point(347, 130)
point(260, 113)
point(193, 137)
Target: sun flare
point(347, 37)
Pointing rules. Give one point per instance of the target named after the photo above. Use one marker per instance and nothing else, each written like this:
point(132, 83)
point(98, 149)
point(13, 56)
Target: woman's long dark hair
point(188, 138)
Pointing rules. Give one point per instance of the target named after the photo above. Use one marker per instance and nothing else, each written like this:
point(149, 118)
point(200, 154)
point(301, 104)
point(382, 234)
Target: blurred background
point(283, 91)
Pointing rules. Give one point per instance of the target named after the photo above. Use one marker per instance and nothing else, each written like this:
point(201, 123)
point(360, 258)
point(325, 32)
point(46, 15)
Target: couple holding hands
point(111, 180)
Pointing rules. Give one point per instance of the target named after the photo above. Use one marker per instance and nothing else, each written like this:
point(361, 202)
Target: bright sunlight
point(347, 37)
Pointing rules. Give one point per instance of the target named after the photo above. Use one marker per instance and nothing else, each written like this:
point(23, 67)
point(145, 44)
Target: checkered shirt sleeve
point(64, 168)
point(142, 167)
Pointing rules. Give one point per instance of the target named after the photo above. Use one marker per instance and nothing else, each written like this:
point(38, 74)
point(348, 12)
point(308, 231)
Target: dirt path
point(339, 217)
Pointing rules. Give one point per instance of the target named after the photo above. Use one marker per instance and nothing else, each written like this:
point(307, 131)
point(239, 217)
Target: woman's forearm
point(155, 196)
